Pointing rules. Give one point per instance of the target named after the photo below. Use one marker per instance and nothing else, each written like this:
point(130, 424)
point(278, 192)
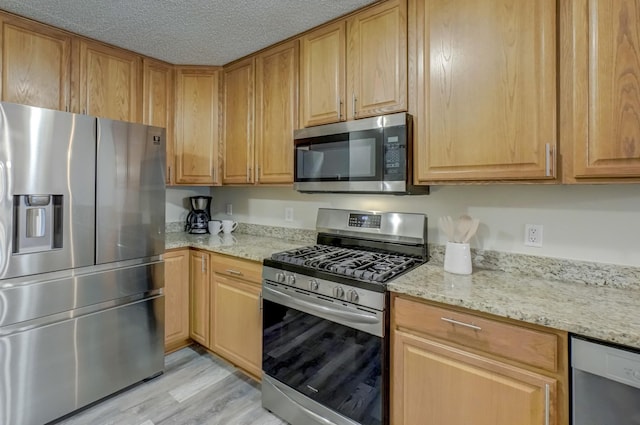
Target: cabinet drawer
point(528, 346)
point(237, 267)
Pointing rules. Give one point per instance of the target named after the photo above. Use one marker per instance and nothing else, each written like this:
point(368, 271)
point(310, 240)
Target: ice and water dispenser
point(37, 223)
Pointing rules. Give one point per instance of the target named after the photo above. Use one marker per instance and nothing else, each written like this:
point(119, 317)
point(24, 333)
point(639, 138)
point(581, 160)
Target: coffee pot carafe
point(199, 216)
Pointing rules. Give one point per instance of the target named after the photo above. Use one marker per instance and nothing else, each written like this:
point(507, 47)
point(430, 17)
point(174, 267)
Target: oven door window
point(355, 156)
point(335, 365)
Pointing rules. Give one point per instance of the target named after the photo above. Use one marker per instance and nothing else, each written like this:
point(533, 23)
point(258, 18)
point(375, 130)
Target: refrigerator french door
point(81, 274)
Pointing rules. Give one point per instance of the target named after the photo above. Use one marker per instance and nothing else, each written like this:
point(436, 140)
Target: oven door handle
point(360, 318)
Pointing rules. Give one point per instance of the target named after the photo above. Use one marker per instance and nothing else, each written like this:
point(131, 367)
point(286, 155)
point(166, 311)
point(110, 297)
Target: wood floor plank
point(196, 388)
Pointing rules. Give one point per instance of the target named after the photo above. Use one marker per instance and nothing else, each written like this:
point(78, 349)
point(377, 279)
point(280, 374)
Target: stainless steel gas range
point(325, 317)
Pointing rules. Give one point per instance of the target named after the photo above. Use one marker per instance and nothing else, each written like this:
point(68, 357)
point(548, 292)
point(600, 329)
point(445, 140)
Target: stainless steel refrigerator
point(82, 203)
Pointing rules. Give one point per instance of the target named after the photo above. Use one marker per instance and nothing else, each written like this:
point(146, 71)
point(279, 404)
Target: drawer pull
point(467, 325)
point(235, 272)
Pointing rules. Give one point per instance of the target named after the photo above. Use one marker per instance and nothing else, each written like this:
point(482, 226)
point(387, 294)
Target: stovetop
point(362, 249)
point(367, 266)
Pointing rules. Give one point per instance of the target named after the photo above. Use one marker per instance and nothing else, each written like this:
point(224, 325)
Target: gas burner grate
point(357, 264)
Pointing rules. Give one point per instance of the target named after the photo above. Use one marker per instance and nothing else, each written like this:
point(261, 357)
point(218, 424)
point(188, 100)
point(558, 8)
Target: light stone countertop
point(240, 245)
point(598, 311)
point(607, 313)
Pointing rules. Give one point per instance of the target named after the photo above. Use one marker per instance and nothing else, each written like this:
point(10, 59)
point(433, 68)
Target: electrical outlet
point(288, 214)
point(229, 209)
point(533, 235)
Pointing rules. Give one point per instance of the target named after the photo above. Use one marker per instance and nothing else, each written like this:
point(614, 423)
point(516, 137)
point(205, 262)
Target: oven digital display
point(367, 221)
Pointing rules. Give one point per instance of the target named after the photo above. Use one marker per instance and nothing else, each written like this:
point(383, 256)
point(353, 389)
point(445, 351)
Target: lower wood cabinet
point(176, 299)
point(199, 289)
point(215, 300)
point(236, 315)
point(445, 369)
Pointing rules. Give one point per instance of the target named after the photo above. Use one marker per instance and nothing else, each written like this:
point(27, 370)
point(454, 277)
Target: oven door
point(321, 355)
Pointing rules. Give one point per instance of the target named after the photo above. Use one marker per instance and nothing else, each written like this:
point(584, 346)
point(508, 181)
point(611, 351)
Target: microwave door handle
point(340, 314)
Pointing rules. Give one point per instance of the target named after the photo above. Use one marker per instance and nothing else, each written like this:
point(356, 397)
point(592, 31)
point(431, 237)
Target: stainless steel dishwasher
point(606, 384)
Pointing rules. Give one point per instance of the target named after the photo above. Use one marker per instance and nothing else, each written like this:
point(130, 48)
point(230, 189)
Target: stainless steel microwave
point(371, 155)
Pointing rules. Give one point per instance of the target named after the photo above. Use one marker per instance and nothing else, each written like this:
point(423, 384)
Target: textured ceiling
point(200, 32)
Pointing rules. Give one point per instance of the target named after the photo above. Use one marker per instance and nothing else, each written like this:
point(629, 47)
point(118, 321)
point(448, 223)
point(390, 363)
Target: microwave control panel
point(395, 154)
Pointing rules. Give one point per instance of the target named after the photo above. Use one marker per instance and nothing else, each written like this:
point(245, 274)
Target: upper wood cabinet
point(36, 64)
point(369, 51)
point(176, 299)
point(110, 82)
point(260, 98)
point(238, 127)
point(322, 75)
point(158, 104)
point(276, 113)
point(485, 81)
point(601, 86)
point(197, 122)
point(377, 60)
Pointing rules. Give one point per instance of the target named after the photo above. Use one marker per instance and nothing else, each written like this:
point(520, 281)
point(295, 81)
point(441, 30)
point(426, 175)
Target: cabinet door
point(436, 384)
point(176, 298)
point(36, 64)
point(238, 122)
point(377, 60)
point(158, 102)
point(197, 111)
point(322, 75)
point(276, 113)
point(486, 89)
point(110, 82)
point(605, 60)
point(199, 297)
point(236, 329)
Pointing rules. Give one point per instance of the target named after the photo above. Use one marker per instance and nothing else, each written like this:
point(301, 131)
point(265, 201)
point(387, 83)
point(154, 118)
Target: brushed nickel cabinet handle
point(248, 174)
point(466, 325)
point(546, 405)
point(548, 158)
point(355, 101)
point(340, 104)
point(235, 272)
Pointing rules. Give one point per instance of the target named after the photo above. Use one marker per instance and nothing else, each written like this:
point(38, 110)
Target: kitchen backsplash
point(586, 223)
point(589, 273)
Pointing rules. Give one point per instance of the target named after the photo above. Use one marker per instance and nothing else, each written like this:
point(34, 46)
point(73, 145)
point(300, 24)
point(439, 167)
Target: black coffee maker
point(199, 216)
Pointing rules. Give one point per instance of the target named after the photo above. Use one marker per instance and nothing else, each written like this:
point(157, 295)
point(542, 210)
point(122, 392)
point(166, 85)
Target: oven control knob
point(313, 285)
point(291, 279)
point(338, 292)
point(280, 277)
point(352, 296)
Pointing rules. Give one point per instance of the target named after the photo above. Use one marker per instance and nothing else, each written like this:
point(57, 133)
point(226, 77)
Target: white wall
point(591, 223)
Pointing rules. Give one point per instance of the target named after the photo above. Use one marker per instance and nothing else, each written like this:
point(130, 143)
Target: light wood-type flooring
point(195, 389)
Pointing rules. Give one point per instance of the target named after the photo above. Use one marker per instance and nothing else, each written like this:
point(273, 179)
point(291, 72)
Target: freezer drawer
point(50, 371)
point(39, 297)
